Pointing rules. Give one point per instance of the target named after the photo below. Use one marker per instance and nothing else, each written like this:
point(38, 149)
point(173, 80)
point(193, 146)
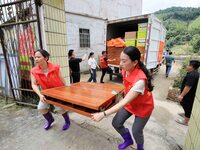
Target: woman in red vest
point(138, 99)
point(104, 65)
point(44, 76)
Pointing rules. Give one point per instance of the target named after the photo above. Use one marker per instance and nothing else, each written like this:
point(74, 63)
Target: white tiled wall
point(192, 141)
point(55, 33)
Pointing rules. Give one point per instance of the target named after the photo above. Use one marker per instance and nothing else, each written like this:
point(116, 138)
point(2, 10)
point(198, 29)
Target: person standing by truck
point(188, 90)
point(74, 65)
point(168, 60)
point(138, 99)
point(104, 66)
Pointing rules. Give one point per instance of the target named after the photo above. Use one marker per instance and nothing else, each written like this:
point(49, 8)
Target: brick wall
point(55, 33)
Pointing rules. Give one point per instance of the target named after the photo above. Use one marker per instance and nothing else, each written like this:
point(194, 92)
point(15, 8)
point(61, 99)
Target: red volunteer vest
point(103, 63)
point(142, 105)
point(51, 80)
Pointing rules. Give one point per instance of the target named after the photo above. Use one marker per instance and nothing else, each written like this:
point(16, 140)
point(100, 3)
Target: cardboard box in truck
point(130, 35)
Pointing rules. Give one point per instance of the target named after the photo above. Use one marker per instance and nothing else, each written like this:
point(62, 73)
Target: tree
point(194, 27)
point(181, 25)
point(195, 42)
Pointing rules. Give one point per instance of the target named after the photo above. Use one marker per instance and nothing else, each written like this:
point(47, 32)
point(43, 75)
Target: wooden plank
point(82, 112)
point(113, 53)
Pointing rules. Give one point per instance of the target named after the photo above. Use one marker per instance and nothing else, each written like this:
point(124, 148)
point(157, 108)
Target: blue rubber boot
point(127, 140)
point(67, 121)
point(48, 116)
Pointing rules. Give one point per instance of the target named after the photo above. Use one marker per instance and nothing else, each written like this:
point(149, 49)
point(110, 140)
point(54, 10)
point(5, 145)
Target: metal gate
point(20, 36)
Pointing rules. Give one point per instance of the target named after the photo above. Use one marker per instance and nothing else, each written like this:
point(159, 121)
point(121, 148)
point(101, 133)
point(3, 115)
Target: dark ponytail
point(149, 77)
point(91, 53)
point(70, 52)
point(134, 54)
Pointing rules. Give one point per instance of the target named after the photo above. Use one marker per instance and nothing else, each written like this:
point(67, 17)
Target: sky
point(150, 6)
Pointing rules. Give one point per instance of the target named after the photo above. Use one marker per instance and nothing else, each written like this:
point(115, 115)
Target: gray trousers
point(137, 128)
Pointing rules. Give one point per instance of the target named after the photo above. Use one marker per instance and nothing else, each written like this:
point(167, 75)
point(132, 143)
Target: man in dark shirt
point(188, 90)
point(74, 66)
point(169, 58)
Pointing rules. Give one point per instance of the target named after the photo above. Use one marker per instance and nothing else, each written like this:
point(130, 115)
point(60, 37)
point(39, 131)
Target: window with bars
point(84, 35)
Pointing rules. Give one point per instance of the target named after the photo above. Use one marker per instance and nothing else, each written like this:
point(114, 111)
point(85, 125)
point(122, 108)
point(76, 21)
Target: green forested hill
point(180, 13)
point(183, 27)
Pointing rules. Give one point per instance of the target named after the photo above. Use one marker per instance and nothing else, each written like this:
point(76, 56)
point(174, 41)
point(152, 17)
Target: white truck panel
point(156, 34)
point(163, 35)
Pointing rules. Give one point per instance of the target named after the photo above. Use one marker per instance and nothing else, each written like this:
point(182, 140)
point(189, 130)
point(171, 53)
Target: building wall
point(93, 15)
point(55, 34)
point(108, 9)
point(192, 141)
point(97, 36)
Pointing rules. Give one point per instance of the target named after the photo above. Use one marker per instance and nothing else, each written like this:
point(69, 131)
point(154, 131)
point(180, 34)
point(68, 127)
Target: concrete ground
point(21, 127)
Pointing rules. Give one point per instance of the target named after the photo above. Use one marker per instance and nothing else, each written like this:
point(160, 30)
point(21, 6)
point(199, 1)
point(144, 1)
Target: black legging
point(137, 128)
point(103, 70)
point(75, 77)
point(187, 107)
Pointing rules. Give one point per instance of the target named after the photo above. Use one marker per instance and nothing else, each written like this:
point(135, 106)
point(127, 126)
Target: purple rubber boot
point(127, 140)
point(140, 147)
point(48, 116)
point(67, 121)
